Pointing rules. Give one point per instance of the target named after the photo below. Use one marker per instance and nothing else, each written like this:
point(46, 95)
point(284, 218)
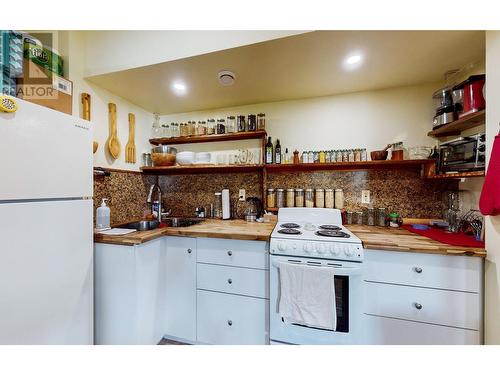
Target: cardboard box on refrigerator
point(43, 87)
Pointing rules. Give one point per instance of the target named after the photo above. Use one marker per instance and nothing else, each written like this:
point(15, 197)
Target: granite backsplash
point(399, 191)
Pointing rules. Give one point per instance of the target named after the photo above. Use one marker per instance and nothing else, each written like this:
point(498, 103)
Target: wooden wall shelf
point(258, 134)
point(200, 169)
point(350, 166)
point(449, 176)
point(458, 126)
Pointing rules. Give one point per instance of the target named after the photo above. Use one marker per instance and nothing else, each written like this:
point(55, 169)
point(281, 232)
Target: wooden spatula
point(113, 142)
point(86, 114)
point(130, 147)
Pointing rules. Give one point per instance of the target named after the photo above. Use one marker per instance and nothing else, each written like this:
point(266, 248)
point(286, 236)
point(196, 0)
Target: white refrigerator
point(46, 235)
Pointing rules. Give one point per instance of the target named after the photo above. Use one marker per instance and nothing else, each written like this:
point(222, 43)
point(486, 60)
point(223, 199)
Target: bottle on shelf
point(269, 151)
point(286, 159)
point(277, 152)
point(156, 128)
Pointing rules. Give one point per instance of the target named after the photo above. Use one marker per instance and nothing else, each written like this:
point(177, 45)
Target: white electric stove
point(315, 237)
point(314, 233)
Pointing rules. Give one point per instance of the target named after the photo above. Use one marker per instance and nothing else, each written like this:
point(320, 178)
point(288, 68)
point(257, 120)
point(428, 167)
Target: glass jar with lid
point(175, 129)
point(316, 156)
point(320, 198)
point(221, 126)
point(370, 219)
point(261, 121)
point(218, 206)
point(192, 128)
point(339, 199)
point(280, 198)
point(357, 154)
point(359, 218)
point(322, 157)
point(304, 157)
point(338, 156)
point(328, 157)
point(271, 198)
point(381, 217)
point(231, 124)
point(202, 128)
point(184, 130)
point(252, 123)
point(290, 197)
point(350, 155)
point(348, 217)
point(210, 126)
point(345, 156)
point(329, 198)
point(241, 123)
point(310, 157)
point(309, 198)
point(299, 197)
point(364, 154)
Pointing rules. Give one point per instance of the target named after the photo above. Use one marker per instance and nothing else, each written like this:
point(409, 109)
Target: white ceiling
point(305, 65)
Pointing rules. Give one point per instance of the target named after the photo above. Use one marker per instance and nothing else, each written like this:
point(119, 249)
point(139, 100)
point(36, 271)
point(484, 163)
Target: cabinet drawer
point(427, 270)
point(230, 319)
point(449, 308)
point(246, 281)
point(251, 254)
point(388, 331)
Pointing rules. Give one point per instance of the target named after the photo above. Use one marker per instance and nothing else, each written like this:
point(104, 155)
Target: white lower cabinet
point(180, 288)
point(231, 319)
point(420, 298)
point(128, 293)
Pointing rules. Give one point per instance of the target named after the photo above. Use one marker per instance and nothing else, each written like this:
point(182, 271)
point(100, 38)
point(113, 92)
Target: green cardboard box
point(43, 56)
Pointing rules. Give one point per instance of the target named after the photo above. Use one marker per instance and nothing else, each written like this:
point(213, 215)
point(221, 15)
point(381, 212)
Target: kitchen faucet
point(150, 200)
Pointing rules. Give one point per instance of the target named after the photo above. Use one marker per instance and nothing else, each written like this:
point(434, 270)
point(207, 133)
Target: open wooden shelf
point(202, 168)
point(456, 127)
point(350, 166)
point(274, 209)
point(448, 176)
point(258, 134)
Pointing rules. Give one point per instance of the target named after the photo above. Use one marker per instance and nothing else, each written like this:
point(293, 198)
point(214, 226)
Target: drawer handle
point(229, 322)
point(229, 253)
point(418, 306)
point(229, 281)
point(417, 269)
point(190, 251)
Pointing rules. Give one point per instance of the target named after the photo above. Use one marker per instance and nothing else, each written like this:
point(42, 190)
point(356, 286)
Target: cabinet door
point(180, 290)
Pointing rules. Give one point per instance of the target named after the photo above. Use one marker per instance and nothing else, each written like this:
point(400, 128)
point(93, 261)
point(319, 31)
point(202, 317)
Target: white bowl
point(202, 157)
point(185, 157)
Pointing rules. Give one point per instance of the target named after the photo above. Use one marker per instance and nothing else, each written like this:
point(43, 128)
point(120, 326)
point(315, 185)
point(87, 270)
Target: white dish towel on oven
point(307, 295)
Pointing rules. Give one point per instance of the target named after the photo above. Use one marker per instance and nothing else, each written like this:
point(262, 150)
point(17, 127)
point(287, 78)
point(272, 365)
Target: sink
point(141, 226)
point(181, 222)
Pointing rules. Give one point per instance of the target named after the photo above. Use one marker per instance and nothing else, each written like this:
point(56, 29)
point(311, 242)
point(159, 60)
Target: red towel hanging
point(489, 203)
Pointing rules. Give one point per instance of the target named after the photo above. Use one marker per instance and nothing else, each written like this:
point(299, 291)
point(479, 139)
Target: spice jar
point(395, 220)
point(322, 157)
point(359, 217)
point(271, 198)
point(303, 157)
point(280, 198)
point(290, 197)
point(252, 123)
point(192, 128)
point(309, 198)
point(316, 157)
point(364, 154)
point(202, 128)
point(339, 199)
point(345, 155)
point(299, 197)
point(210, 126)
point(221, 126)
point(381, 217)
point(231, 124)
point(338, 156)
point(320, 198)
point(175, 129)
point(329, 198)
point(241, 123)
point(184, 130)
point(261, 121)
point(371, 216)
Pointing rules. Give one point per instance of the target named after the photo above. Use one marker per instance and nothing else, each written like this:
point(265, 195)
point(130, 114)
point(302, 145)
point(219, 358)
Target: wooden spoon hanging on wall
point(113, 142)
point(86, 113)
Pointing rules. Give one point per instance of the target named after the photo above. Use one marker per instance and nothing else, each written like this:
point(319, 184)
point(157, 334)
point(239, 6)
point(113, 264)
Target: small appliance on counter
point(463, 154)
point(469, 95)
point(445, 111)
point(254, 209)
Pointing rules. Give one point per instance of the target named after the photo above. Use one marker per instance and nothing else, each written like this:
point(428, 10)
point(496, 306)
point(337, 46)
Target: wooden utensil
point(114, 145)
point(380, 155)
point(130, 147)
point(86, 114)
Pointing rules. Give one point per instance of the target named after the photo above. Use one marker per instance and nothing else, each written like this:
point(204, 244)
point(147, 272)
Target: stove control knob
point(294, 246)
point(281, 246)
point(320, 248)
point(335, 250)
point(349, 251)
point(306, 248)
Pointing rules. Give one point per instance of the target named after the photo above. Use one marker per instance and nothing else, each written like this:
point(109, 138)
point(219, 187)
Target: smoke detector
point(226, 78)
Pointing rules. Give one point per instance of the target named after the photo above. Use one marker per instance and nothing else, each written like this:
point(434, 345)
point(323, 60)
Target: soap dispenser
point(103, 216)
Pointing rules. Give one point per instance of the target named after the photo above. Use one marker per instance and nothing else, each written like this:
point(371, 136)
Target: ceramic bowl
point(185, 157)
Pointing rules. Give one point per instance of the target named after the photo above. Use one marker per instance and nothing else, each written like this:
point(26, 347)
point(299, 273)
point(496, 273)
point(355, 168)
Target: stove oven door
point(348, 294)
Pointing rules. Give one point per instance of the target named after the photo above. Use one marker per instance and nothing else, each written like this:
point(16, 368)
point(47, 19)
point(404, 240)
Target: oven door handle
point(339, 271)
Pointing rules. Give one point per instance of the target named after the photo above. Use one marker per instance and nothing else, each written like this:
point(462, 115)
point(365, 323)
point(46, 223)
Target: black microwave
point(463, 154)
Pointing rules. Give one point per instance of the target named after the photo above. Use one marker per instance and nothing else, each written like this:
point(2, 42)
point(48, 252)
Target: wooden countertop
point(228, 229)
point(399, 239)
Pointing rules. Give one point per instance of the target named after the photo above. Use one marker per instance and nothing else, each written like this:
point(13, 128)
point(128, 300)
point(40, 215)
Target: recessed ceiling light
point(179, 88)
point(353, 61)
point(226, 78)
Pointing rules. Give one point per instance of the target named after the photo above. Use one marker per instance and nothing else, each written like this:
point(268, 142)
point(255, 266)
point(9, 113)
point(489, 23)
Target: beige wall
point(492, 277)
point(110, 51)
point(370, 119)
